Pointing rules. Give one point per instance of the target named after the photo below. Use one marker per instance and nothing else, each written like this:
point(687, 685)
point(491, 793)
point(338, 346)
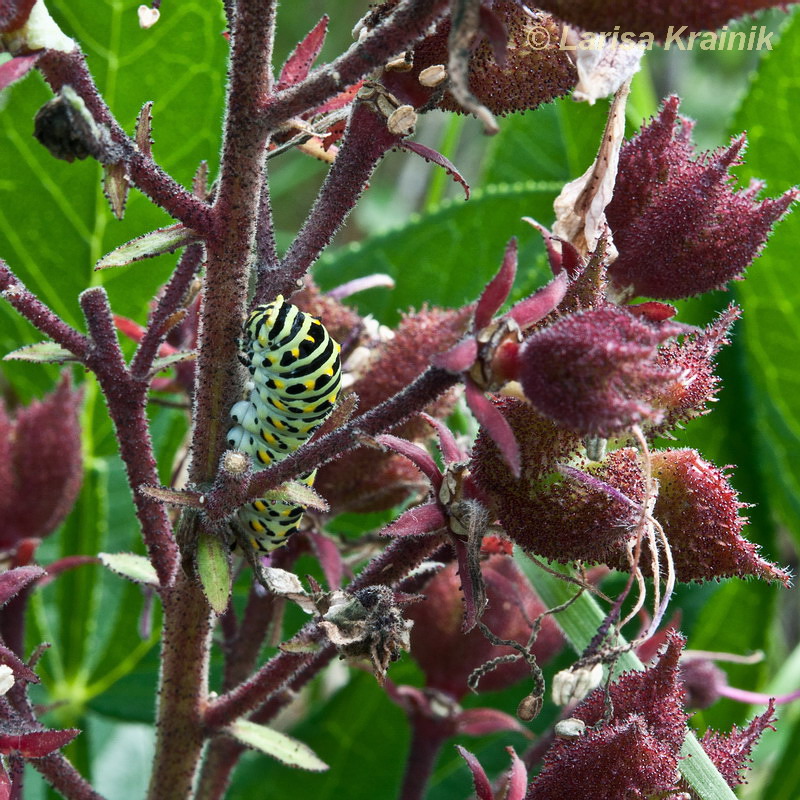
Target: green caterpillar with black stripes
point(296, 376)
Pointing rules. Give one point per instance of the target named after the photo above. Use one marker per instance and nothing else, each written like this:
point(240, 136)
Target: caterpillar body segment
point(295, 380)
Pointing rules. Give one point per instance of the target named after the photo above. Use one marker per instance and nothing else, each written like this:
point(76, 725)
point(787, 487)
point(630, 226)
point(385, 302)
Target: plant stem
point(427, 737)
point(408, 23)
point(64, 777)
point(230, 248)
point(127, 406)
point(366, 140)
point(183, 690)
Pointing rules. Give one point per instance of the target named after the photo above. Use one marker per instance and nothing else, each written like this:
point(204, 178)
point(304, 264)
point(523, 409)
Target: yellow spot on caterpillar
point(264, 457)
point(296, 352)
point(259, 505)
point(309, 384)
point(257, 526)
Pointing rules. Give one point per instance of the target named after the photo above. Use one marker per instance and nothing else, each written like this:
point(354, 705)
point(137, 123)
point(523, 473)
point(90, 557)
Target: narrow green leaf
point(298, 493)
point(214, 569)
point(164, 240)
point(128, 565)
point(165, 362)
point(278, 745)
point(181, 498)
point(41, 352)
point(579, 623)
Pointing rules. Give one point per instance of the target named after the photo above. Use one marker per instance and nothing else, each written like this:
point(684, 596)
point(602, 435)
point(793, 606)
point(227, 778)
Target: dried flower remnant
point(509, 67)
point(368, 625)
point(679, 226)
point(635, 749)
point(40, 466)
point(593, 371)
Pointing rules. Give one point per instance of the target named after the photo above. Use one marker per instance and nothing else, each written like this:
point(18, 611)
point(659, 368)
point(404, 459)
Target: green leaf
point(363, 735)
point(78, 589)
point(214, 569)
point(770, 294)
point(155, 243)
point(556, 142)
point(165, 362)
point(278, 745)
point(298, 493)
point(446, 257)
point(128, 565)
point(42, 353)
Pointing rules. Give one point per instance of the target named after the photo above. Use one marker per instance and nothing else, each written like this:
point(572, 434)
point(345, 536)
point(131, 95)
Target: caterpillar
point(295, 379)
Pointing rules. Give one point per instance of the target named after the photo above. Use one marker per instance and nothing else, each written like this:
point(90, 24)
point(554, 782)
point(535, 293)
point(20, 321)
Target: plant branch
point(230, 248)
point(266, 249)
point(426, 388)
point(64, 778)
point(173, 296)
point(366, 140)
point(183, 690)
point(40, 316)
point(70, 69)
point(406, 25)
point(127, 401)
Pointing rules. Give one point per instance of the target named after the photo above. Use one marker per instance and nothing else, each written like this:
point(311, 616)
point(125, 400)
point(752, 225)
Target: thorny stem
point(172, 297)
point(183, 690)
point(64, 778)
point(427, 737)
point(366, 141)
point(39, 315)
point(127, 401)
point(230, 249)
point(184, 674)
point(266, 248)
